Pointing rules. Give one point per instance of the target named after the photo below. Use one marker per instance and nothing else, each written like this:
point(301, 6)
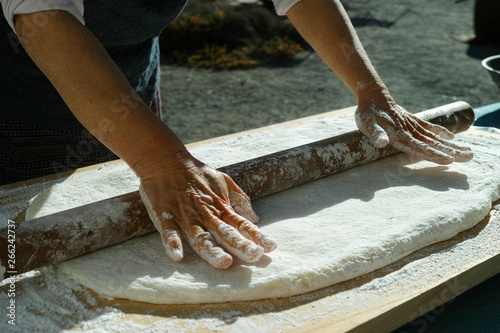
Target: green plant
point(220, 58)
point(229, 37)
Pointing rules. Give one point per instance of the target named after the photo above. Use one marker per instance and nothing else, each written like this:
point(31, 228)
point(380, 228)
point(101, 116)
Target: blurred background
point(230, 66)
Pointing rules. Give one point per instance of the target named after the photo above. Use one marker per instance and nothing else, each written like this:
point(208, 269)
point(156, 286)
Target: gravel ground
point(411, 43)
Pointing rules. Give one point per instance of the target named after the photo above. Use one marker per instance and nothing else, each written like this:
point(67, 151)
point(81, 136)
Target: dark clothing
point(487, 21)
point(29, 150)
point(128, 29)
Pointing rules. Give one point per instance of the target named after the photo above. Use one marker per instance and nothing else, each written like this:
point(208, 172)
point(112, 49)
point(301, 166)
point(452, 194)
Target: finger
point(436, 129)
point(233, 242)
point(369, 126)
point(229, 238)
point(249, 230)
point(240, 201)
point(404, 142)
point(460, 154)
point(166, 227)
point(453, 145)
point(205, 246)
point(244, 222)
point(171, 238)
point(439, 138)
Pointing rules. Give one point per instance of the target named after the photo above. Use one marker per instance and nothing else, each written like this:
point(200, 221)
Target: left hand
point(186, 198)
point(384, 122)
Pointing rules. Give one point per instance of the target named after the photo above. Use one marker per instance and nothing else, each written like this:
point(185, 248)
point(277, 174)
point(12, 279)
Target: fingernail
point(381, 139)
point(267, 243)
point(381, 143)
point(175, 255)
point(465, 156)
point(443, 160)
point(255, 217)
point(222, 262)
point(447, 135)
point(253, 253)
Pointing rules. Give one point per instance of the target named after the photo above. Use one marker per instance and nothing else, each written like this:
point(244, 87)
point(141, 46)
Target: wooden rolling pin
point(65, 235)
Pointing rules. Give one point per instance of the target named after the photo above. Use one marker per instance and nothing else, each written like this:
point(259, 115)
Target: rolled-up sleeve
point(15, 7)
point(282, 6)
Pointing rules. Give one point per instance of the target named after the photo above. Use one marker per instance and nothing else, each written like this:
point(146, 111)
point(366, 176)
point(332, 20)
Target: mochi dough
point(327, 231)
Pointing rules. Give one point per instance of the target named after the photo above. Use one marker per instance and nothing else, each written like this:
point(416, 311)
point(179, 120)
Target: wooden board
point(377, 302)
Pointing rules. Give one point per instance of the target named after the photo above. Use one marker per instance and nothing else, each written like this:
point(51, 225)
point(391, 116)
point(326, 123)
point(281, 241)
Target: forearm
point(324, 24)
point(182, 195)
point(94, 88)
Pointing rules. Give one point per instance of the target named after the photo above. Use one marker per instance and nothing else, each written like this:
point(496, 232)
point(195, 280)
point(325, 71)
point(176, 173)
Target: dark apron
point(38, 133)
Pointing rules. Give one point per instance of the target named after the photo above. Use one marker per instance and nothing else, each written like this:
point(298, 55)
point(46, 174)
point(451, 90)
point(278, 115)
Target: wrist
point(143, 141)
point(155, 164)
point(363, 89)
point(375, 95)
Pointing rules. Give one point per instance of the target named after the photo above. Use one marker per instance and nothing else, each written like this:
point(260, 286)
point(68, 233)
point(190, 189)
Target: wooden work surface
point(377, 302)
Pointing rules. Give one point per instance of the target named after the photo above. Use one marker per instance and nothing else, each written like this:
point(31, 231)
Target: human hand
point(384, 122)
point(207, 208)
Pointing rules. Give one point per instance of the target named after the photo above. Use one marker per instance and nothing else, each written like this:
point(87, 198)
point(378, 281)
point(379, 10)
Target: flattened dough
point(327, 231)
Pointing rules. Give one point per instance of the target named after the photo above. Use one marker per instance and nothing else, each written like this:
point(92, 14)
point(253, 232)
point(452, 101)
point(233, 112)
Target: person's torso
point(129, 31)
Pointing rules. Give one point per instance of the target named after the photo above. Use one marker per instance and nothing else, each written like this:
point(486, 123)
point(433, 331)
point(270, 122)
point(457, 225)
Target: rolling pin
point(61, 236)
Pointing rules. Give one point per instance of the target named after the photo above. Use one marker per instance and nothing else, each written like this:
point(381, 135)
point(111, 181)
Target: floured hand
point(207, 208)
point(386, 123)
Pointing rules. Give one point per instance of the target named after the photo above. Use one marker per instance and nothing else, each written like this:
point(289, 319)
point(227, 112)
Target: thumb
point(166, 227)
point(369, 126)
point(240, 201)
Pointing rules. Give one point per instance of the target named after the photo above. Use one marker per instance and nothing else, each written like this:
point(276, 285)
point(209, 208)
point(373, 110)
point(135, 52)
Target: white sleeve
point(282, 6)
point(15, 7)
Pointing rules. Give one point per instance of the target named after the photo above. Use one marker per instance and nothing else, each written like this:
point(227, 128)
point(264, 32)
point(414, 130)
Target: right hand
point(386, 123)
point(184, 197)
